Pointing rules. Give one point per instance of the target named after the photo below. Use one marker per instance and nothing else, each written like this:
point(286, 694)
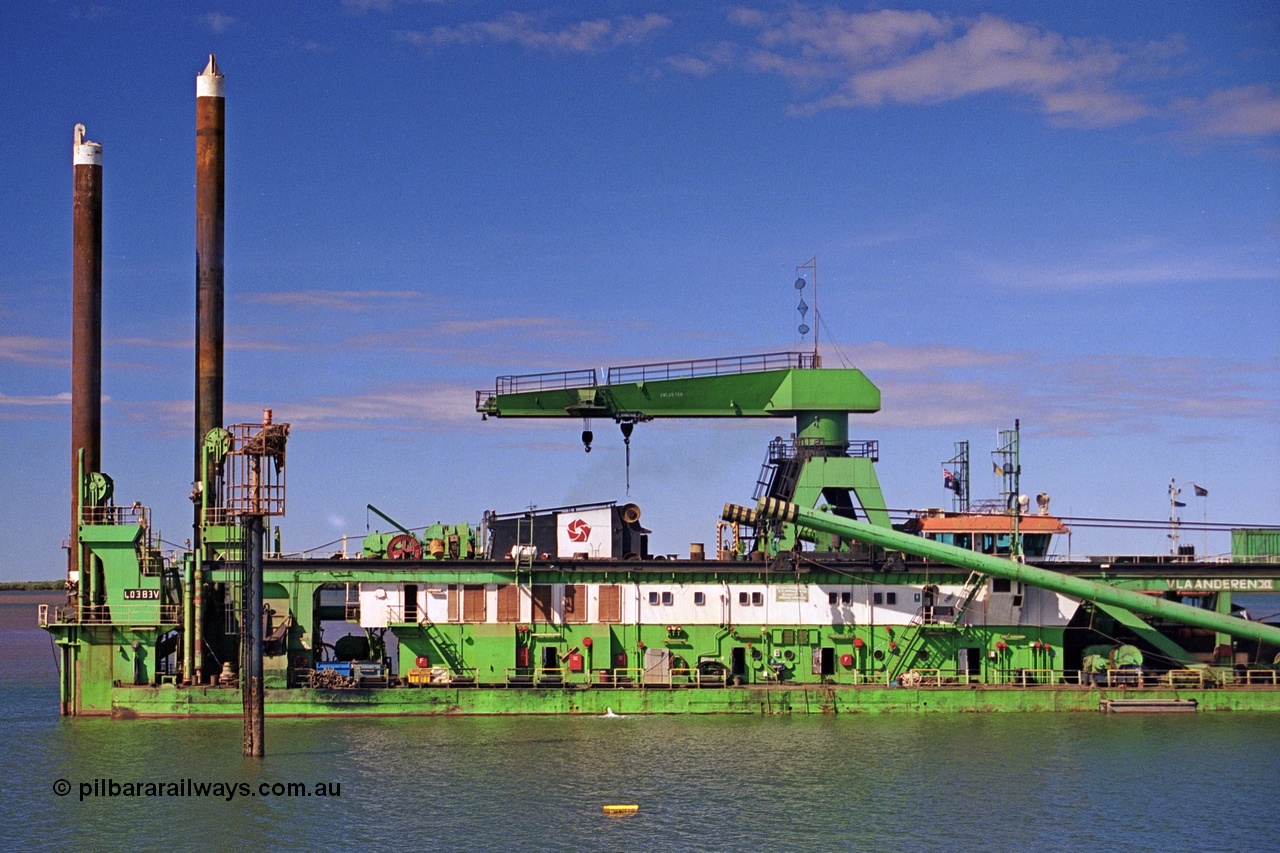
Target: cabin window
point(997, 543)
point(699, 598)
point(832, 597)
point(877, 598)
point(1001, 585)
point(757, 598)
point(653, 598)
point(473, 603)
point(846, 598)
point(1035, 544)
point(890, 598)
point(610, 603)
point(668, 598)
point(965, 541)
point(542, 602)
point(743, 598)
point(508, 603)
point(575, 602)
point(454, 608)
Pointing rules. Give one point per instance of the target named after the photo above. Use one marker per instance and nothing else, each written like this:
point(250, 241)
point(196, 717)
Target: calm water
point(1009, 782)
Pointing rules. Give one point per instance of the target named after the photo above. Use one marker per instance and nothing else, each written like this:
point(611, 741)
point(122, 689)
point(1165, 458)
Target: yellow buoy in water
point(621, 809)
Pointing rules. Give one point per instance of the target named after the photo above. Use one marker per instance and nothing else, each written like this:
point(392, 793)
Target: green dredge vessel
point(796, 610)
point(812, 600)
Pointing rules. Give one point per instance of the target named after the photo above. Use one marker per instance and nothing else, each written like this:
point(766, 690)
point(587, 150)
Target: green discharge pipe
point(1032, 575)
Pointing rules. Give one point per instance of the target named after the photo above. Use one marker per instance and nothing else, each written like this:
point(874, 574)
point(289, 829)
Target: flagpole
point(1202, 492)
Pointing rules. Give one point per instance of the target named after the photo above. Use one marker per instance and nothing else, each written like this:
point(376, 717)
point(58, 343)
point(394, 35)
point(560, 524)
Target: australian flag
point(951, 481)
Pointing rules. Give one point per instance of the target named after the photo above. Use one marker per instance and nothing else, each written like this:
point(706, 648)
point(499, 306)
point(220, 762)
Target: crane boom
point(760, 386)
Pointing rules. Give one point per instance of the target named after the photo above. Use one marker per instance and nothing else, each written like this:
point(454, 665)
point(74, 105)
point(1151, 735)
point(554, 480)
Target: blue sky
point(1063, 213)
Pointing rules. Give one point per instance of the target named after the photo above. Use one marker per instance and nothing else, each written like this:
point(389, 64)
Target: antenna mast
point(803, 329)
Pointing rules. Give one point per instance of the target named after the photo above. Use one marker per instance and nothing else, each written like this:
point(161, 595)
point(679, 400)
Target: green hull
point(167, 701)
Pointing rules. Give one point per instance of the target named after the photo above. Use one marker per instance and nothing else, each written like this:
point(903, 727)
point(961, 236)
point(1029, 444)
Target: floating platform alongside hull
point(1149, 706)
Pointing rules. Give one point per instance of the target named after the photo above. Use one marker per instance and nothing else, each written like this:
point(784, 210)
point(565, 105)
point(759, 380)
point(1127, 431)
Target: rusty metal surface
point(86, 329)
point(210, 212)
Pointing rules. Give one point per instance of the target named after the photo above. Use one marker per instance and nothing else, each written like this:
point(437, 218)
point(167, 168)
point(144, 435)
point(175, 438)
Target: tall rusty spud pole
point(210, 214)
point(86, 342)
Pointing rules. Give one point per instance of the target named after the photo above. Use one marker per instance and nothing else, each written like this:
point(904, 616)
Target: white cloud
point(1123, 271)
point(934, 386)
point(397, 407)
point(361, 6)
point(60, 399)
point(339, 300)
point(868, 59)
point(1245, 111)
point(881, 357)
point(218, 22)
point(534, 33)
point(28, 349)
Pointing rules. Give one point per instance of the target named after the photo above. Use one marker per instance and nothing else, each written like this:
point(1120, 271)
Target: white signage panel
point(589, 532)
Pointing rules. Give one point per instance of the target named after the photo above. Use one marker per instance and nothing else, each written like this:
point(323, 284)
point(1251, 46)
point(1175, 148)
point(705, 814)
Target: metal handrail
point(116, 515)
point(1187, 678)
point(138, 613)
point(694, 368)
point(553, 381)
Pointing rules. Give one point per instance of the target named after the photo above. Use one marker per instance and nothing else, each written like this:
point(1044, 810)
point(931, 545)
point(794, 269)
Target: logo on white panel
point(579, 530)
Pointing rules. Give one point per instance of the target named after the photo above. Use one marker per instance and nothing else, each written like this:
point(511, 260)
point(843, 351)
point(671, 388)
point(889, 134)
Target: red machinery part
point(846, 660)
point(404, 546)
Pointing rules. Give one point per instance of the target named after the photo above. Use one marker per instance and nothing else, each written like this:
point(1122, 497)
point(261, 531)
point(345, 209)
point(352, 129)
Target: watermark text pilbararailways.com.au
point(103, 788)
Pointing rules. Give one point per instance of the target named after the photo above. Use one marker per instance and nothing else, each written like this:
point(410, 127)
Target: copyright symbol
point(62, 787)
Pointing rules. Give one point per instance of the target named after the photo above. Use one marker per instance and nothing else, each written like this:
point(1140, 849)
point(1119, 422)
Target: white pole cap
point(84, 152)
point(209, 82)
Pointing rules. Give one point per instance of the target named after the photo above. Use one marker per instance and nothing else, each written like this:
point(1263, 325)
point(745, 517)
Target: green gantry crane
point(817, 463)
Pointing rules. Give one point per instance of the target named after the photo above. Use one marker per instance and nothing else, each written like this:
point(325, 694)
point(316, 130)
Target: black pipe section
point(251, 663)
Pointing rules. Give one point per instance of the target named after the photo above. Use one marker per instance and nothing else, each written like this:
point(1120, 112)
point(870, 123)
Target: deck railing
point(152, 613)
point(560, 380)
point(699, 367)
